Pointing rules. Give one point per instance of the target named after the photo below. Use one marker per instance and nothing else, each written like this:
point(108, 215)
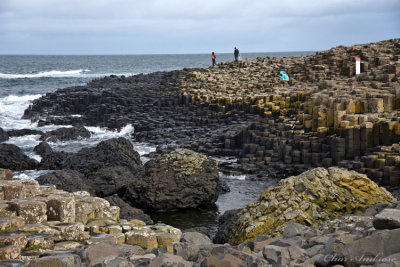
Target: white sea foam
point(12, 108)
point(52, 73)
point(232, 177)
point(30, 174)
point(81, 73)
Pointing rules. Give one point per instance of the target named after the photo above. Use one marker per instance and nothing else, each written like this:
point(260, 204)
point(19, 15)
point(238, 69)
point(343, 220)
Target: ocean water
point(24, 78)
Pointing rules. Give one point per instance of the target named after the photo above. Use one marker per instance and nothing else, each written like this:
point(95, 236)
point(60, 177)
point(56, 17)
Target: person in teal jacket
point(284, 76)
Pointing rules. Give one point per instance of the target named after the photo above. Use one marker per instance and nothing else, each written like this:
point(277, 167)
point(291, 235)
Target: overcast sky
point(186, 26)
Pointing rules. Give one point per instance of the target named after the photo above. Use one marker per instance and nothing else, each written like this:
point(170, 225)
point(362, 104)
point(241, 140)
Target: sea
point(24, 78)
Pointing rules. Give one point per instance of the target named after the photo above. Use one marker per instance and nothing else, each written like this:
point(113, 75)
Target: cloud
point(271, 24)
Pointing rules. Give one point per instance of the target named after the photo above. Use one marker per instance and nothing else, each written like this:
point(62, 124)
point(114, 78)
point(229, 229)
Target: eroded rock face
point(128, 212)
point(67, 180)
point(110, 153)
point(180, 179)
point(11, 157)
point(65, 134)
point(310, 198)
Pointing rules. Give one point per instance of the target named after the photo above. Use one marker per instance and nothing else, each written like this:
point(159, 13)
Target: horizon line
point(160, 54)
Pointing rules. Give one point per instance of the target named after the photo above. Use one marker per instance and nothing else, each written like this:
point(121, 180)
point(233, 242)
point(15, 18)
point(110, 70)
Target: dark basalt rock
point(43, 149)
point(110, 153)
point(178, 180)
point(65, 134)
point(68, 180)
point(128, 212)
point(3, 135)
point(22, 132)
point(108, 181)
point(12, 157)
point(225, 225)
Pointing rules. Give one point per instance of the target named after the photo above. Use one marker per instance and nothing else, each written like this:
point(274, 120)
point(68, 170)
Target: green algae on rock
point(311, 198)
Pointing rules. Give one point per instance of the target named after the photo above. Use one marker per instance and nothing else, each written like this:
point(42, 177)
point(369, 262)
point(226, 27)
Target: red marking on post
point(357, 59)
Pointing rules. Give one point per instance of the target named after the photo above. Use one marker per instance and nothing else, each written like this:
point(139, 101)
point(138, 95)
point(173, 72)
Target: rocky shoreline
point(324, 116)
point(45, 226)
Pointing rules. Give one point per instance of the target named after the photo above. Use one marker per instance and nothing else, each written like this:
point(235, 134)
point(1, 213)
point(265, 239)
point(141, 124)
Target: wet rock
point(128, 212)
point(23, 132)
point(65, 134)
point(387, 219)
point(3, 135)
point(43, 149)
point(11, 157)
point(173, 182)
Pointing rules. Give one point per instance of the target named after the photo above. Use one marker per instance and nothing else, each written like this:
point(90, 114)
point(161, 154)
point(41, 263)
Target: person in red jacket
point(213, 58)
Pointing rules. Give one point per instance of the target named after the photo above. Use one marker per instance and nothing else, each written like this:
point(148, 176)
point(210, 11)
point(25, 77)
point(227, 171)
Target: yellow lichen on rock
point(313, 198)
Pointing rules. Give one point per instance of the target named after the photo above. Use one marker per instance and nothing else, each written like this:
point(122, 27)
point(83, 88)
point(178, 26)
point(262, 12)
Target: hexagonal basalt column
point(32, 211)
point(61, 209)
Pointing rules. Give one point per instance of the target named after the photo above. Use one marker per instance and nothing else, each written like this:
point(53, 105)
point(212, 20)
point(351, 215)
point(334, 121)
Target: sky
point(187, 26)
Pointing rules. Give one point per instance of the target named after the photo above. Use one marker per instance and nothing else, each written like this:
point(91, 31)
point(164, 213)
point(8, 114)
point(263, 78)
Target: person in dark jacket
point(213, 58)
point(236, 54)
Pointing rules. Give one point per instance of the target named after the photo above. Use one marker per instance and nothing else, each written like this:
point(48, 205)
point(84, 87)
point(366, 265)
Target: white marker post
point(358, 65)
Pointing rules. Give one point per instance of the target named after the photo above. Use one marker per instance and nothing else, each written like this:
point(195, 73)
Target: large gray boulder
point(178, 180)
point(387, 219)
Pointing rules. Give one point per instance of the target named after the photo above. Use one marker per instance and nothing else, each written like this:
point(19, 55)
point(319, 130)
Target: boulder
point(43, 149)
point(195, 238)
point(110, 153)
point(3, 135)
point(67, 180)
point(387, 219)
point(65, 134)
point(311, 198)
point(11, 157)
point(180, 179)
point(109, 181)
point(128, 212)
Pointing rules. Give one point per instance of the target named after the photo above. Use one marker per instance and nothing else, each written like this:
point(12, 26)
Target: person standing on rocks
point(236, 54)
point(213, 58)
